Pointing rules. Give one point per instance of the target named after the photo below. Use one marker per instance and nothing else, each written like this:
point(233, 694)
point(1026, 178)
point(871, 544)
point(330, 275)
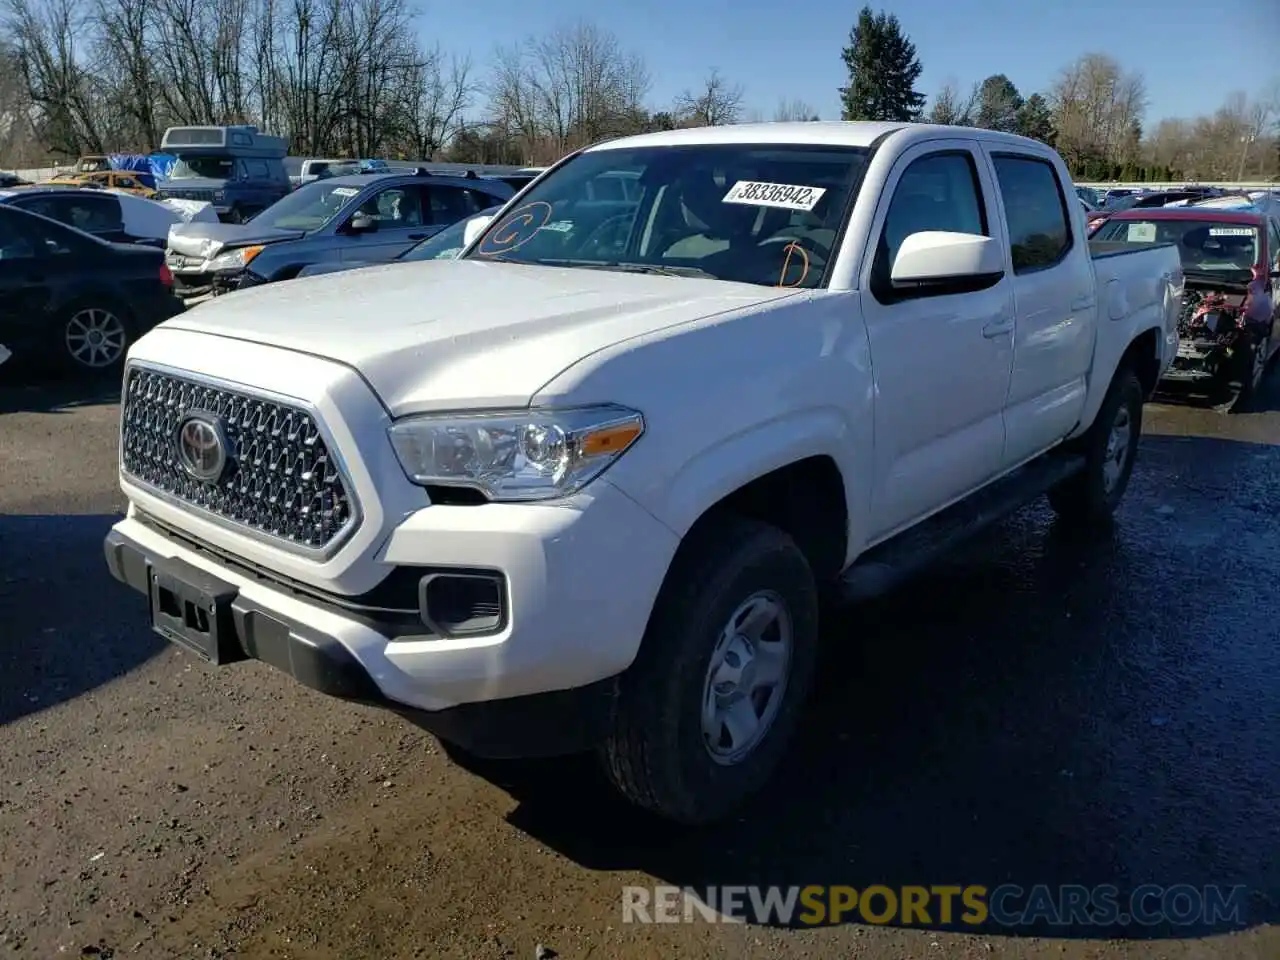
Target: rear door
point(1055, 300)
point(36, 259)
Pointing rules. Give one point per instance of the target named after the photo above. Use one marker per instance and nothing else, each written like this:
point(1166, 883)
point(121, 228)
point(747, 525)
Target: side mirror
point(474, 228)
point(362, 223)
point(936, 256)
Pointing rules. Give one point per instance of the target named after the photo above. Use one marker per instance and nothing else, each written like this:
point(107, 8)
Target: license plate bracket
point(192, 608)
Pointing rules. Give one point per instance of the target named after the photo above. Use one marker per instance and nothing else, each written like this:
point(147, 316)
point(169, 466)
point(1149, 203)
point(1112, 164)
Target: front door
point(1056, 302)
point(398, 211)
point(941, 358)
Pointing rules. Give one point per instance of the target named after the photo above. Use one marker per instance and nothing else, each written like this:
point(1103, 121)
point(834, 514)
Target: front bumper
point(578, 588)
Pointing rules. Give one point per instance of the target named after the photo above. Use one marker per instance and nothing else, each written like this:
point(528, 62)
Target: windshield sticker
point(345, 191)
point(1141, 233)
point(516, 229)
point(559, 226)
point(1231, 231)
point(785, 196)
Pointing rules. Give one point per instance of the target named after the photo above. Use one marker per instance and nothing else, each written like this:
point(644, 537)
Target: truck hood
point(455, 334)
point(209, 239)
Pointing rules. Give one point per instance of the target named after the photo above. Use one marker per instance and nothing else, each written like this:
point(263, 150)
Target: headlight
point(521, 455)
point(235, 260)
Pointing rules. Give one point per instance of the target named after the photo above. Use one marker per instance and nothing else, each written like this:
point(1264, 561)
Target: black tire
point(655, 752)
point(1092, 495)
point(76, 355)
point(234, 216)
point(1239, 387)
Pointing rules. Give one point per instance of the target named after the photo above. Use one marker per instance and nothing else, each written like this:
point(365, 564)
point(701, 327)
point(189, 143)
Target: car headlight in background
point(520, 455)
point(235, 260)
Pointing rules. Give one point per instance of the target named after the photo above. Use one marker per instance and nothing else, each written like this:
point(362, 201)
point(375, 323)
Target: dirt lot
point(1041, 710)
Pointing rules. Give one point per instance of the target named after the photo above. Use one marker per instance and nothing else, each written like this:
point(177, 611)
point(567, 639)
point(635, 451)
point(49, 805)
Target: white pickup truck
point(584, 487)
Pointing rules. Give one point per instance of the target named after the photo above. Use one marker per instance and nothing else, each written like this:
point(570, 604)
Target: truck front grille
point(179, 194)
point(280, 480)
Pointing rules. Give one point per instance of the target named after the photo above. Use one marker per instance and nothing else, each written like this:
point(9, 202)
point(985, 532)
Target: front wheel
point(1093, 494)
point(707, 709)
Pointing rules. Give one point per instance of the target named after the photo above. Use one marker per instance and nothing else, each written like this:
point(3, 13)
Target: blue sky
point(793, 50)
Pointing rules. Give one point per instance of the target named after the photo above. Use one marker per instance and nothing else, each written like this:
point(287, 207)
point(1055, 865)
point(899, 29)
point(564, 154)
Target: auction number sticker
point(1231, 231)
point(345, 191)
point(785, 196)
point(1142, 233)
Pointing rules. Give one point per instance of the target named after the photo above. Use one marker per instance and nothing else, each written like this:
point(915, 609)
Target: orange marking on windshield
point(791, 249)
point(509, 235)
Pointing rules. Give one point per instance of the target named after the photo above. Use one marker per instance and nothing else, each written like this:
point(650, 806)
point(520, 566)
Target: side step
point(887, 565)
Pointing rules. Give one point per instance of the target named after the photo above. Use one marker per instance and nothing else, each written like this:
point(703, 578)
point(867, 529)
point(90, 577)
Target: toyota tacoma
point(586, 486)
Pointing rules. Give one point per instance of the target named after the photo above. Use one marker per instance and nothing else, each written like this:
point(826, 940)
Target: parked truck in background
point(584, 486)
point(237, 169)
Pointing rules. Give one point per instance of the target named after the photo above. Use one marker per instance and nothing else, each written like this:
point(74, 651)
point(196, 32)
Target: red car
point(1222, 351)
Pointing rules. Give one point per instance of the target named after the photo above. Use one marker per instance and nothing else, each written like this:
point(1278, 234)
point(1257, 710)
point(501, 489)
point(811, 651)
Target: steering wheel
point(608, 223)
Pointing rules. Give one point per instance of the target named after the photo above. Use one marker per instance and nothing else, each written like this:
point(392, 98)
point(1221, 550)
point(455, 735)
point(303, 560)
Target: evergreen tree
point(1035, 120)
point(998, 104)
point(883, 69)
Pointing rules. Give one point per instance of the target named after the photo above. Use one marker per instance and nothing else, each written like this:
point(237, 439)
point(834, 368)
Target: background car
point(73, 301)
point(130, 181)
point(359, 218)
point(445, 245)
point(108, 215)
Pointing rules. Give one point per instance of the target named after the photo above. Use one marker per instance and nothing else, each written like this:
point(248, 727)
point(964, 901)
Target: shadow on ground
point(1044, 708)
point(23, 392)
point(51, 569)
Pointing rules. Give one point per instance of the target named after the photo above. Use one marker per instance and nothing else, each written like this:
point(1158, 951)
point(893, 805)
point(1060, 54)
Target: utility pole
point(1244, 154)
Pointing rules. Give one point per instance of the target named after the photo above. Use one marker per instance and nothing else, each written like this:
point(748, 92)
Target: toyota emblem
point(202, 448)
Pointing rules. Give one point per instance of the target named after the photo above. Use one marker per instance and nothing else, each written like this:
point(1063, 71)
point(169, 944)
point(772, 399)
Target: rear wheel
point(95, 338)
point(707, 709)
point(1109, 448)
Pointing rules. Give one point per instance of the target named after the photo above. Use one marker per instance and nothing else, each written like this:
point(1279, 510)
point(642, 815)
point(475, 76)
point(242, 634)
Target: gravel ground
point(1039, 710)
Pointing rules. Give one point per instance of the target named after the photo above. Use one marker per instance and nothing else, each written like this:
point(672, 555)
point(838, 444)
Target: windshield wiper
point(656, 269)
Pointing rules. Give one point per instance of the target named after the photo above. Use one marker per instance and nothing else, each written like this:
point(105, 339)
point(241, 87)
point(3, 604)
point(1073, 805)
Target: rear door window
point(446, 205)
point(1035, 211)
point(92, 214)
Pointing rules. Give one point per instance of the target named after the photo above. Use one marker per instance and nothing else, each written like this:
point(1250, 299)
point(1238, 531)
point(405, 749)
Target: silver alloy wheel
point(95, 337)
point(746, 678)
point(1117, 449)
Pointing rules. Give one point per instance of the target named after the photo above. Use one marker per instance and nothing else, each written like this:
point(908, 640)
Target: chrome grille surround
point(286, 484)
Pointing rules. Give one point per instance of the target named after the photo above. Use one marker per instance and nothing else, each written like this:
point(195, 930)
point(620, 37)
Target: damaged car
point(1229, 327)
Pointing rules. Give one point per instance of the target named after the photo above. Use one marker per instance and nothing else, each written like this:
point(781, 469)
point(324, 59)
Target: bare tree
point(953, 109)
point(573, 86)
point(717, 102)
point(1095, 104)
point(440, 90)
point(790, 110)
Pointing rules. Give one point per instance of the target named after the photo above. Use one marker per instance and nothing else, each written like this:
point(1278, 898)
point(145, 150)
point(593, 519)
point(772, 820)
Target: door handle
point(998, 328)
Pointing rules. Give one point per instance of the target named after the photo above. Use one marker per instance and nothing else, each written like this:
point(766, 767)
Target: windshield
point(752, 213)
point(310, 207)
point(192, 167)
point(448, 243)
point(1205, 246)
